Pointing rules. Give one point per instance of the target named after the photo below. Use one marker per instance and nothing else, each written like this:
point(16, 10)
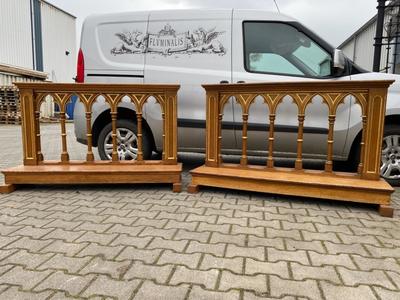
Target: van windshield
point(282, 49)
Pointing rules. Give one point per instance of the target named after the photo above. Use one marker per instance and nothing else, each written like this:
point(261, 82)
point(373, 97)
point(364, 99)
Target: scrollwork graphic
point(167, 42)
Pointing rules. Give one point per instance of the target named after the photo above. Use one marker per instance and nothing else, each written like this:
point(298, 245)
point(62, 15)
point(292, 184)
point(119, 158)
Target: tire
point(127, 141)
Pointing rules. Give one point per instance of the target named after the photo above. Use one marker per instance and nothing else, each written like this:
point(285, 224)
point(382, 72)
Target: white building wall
point(348, 49)
point(59, 36)
point(360, 48)
point(15, 33)
point(364, 52)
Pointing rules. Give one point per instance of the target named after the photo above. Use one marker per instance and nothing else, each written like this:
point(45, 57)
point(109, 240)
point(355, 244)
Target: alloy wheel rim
point(127, 147)
point(390, 158)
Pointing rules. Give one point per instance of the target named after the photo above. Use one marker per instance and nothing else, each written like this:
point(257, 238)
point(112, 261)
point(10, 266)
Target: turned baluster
point(299, 160)
point(271, 139)
point(89, 155)
point(362, 144)
point(38, 135)
point(114, 136)
point(243, 160)
point(329, 163)
point(139, 137)
point(220, 117)
point(163, 137)
point(64, 154)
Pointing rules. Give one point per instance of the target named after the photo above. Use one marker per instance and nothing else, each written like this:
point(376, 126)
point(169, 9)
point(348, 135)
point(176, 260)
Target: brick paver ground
point(145, 242)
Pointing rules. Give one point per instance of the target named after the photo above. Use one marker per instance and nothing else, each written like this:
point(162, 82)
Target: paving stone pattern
point(145, 242)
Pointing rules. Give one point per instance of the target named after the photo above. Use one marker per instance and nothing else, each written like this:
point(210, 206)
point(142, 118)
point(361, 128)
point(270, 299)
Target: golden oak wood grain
point(38, 171)
point(366, 186)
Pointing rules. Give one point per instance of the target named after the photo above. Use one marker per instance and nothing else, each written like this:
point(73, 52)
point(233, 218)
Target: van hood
point(379, 76)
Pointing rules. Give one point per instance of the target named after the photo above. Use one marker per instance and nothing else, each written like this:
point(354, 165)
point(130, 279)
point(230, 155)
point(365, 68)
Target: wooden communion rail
point(36, 170)
point(364, 186)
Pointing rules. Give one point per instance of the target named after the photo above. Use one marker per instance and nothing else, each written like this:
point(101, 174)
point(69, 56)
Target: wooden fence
point(363, 186)
point(36, 170)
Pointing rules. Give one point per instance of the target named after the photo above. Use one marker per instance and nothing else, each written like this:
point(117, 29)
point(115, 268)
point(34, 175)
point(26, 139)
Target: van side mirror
point(339, 60)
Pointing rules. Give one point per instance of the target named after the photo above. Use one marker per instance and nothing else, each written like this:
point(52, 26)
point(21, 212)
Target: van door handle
point(224, 81)
point(241, 81)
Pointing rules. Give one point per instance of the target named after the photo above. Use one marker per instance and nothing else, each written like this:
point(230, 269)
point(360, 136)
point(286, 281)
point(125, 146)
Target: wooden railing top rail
point(97, 87)
point(306, 86)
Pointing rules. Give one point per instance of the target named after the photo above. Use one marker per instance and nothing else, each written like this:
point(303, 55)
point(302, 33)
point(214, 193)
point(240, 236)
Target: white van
point(193, 47)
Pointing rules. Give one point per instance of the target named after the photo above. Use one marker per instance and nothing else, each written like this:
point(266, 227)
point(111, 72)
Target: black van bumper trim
point(115, 75)
point(190, 123)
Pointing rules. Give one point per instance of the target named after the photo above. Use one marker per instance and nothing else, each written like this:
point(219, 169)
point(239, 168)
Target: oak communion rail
point(364, 186)
point(36, 170)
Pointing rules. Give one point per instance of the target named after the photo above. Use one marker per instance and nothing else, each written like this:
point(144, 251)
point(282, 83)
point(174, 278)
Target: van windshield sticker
point(167, 42)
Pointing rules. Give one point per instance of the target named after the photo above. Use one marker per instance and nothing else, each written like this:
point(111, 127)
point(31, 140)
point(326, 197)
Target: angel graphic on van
point(167, 41)
point(205, 41)
point(131, 42)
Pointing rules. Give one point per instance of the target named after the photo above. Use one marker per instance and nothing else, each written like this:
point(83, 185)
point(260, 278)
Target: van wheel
point(390, 157)
point(127, 142)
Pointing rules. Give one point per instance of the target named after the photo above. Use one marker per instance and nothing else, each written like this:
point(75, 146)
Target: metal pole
point(395, 55)
point(396, 47)
point(378, 35)
point(388, 47)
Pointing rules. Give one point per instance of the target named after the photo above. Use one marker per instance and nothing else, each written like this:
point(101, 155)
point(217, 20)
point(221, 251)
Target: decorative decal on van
point(167, 42)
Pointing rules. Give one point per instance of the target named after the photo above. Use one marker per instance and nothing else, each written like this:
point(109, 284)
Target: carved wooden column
point(171, 134)
point(38, 136)
point(329, 162)
point(376, 110)
point(299, 160)
point(362, 144)
point(89, 135)
point(139, 137)
point(220, 118)
point(114, 135)
point(243, 160)
point(64, 154)
point(164, 156)
point(271, 139)
point(212, 129)
point(29, 131)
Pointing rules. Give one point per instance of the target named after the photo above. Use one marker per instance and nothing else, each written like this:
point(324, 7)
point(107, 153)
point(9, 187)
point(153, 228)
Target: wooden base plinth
point(7, 188)
point(94, 174)
point(177, 187)
point(308, 183)
point(193, 189)
point(386, 211)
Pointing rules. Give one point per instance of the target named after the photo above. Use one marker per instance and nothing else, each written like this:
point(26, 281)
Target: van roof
point(253, 14)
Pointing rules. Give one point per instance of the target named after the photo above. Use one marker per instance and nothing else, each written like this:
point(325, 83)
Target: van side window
point(282, 49)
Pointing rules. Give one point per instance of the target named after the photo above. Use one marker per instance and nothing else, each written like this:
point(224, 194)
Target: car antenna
point(277, 7)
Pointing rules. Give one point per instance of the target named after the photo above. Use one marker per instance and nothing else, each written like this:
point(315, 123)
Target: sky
point(334, 20)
